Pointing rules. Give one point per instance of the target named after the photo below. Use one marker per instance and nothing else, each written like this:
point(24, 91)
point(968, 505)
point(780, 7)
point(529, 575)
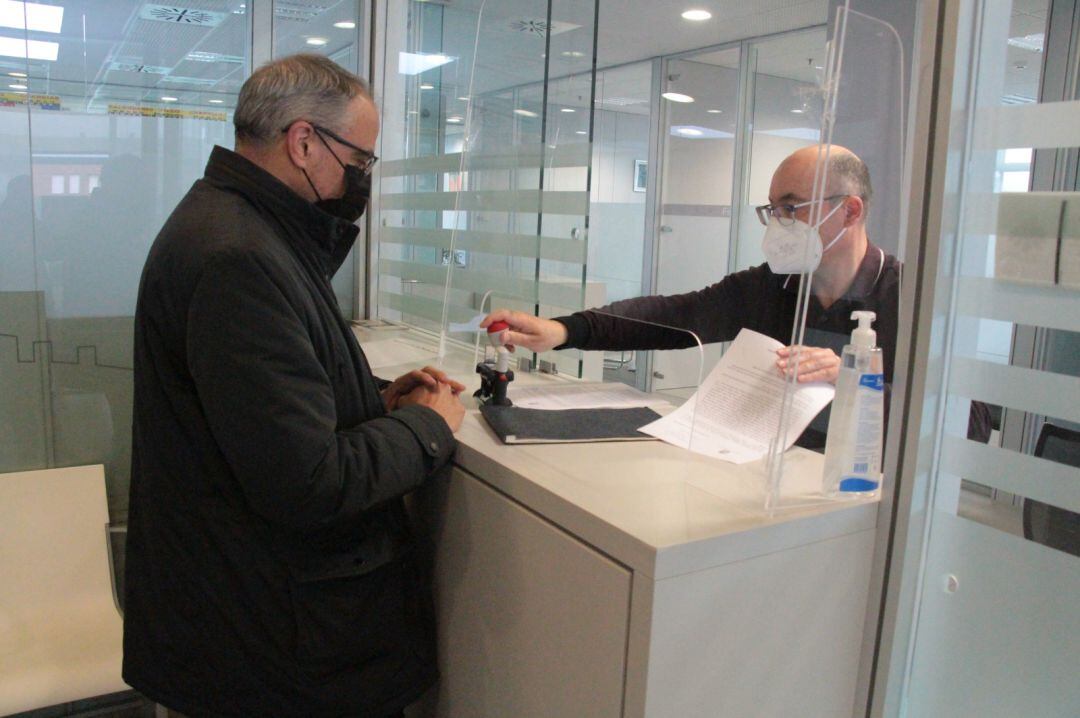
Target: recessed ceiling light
point(714, 112)
point(797, 111)
point(698, 132)
point(573, 53)
point(568, 109)
point(525, 113)
point(677, 97)
point(581, 132)
point(697, 15)
point(166, 98)
point(346, 25)
point(317, 41)
point(412, 112)
point(427, 86)
point(29, 49)
point(31, 16)
point(464, 99)
point(17, 74)
point(455, 120)
point(17, 87)
point(216, 102)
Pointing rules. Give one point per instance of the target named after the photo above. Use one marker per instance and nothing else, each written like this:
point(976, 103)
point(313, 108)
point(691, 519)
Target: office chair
point(1049, 525)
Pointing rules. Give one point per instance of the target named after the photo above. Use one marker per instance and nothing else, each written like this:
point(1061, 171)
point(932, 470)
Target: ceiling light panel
point(137, 67)
point(29, 49)
point(413, 63)
point(31, 16)
point(1032, 43)
point(298, 10)
point(182, 80)
point(200, 56)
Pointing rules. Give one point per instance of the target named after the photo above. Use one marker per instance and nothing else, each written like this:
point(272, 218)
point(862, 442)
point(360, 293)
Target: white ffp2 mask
point(796, 248)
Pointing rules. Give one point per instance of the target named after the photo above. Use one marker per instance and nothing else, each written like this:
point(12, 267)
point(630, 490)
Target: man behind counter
point(854, 274)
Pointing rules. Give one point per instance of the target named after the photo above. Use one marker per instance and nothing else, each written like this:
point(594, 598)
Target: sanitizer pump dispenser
point(856, 425)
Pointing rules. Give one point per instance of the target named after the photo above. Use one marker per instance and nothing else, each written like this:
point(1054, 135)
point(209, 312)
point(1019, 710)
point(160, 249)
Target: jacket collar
point(308, 228)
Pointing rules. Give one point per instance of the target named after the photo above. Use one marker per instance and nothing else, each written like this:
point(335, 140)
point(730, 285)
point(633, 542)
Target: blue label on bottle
point(873, 381)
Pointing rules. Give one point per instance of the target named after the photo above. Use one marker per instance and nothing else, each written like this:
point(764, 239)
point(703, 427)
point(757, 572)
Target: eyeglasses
point(785, 213)
point(366, 164)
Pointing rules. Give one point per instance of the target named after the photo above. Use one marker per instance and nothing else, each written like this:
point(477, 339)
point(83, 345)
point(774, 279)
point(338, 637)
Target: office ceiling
point(197, 50)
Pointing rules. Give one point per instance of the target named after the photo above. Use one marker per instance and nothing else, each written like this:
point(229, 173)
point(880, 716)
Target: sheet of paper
point(736, 411)
point(581, 396)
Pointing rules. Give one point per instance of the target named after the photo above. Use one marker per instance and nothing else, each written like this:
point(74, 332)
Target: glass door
point(699, 105)
point(983, 617)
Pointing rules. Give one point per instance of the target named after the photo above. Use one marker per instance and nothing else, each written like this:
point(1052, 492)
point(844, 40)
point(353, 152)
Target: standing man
point(270, 567)
point(853, 274)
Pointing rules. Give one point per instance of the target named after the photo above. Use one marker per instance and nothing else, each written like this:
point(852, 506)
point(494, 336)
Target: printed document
point(736, 412)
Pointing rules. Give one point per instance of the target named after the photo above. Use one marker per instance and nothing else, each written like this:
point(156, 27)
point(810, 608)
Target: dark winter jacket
point(270, 567)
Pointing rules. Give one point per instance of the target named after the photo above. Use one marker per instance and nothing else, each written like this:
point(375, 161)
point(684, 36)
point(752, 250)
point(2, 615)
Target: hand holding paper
point(736, 411)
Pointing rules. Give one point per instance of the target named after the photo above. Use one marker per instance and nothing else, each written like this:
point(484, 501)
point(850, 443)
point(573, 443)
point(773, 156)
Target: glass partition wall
point(483, 191)
point(108, 112)
point(107, 116)
point(980, 615)
point(487, 118)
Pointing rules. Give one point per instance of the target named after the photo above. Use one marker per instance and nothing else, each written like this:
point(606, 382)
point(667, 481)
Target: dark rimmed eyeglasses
point(368, 158)
point(785, 213)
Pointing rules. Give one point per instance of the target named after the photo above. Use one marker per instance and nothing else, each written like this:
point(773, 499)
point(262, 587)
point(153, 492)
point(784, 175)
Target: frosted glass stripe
point(1038, 125)
point(512, 245)
point(430, 309)
point(1035, 304)
point(561, 294)
point(530, 201)
point(577, 154)
point(1028, 476)
point(1040, 392)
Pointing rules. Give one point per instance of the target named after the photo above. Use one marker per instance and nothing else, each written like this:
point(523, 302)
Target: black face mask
point(350, 205)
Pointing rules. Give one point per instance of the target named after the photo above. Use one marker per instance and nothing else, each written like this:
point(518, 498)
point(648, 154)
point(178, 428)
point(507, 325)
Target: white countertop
point(657, 508)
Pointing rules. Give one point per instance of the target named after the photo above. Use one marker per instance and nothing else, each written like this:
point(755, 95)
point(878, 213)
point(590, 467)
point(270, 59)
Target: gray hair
point(299, 87)
point(849, 175)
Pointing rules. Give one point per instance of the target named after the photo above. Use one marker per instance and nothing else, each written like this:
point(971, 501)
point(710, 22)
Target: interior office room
point(548, 157)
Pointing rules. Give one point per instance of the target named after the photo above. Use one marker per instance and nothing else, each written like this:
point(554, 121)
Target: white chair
point(60, 631)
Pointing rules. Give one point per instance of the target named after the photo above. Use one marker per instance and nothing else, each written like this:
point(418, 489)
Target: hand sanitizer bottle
point(854, 440)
